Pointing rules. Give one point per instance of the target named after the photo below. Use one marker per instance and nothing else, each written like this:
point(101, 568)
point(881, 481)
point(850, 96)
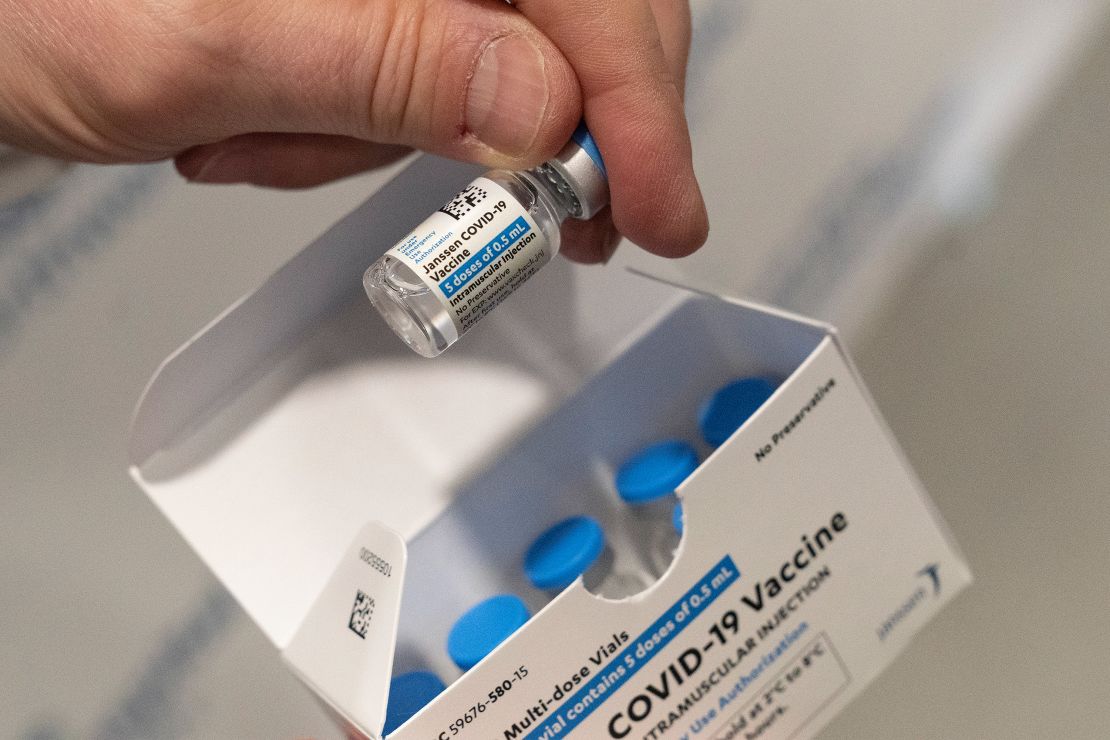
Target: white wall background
point(838, 143)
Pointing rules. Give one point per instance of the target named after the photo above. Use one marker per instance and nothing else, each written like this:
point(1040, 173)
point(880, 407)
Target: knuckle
point(393, 79)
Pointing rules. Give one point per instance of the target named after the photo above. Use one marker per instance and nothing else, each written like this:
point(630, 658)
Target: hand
point(295, 93)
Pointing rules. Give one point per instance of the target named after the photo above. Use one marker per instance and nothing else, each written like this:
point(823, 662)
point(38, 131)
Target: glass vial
point(472, 253)
point(646, 481)
point(664, 547)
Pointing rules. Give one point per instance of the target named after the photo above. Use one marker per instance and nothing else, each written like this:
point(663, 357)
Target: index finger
point(633, 107)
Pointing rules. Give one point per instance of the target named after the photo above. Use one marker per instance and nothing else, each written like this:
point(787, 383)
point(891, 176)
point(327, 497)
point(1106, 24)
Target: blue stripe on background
point(47, 236)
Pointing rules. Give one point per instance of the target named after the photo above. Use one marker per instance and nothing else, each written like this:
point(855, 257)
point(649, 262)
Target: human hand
point(293, 94)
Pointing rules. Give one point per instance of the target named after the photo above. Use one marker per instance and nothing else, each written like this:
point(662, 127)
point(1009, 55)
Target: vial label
point(474, 251)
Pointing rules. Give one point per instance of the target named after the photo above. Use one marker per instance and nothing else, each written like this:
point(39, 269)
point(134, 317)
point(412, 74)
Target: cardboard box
point(283, 436)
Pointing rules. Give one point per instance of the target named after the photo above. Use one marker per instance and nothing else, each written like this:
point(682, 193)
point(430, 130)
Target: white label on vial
point(474, 251)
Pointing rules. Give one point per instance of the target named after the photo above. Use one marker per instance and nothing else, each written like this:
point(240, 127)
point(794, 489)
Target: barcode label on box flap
point(344, 647)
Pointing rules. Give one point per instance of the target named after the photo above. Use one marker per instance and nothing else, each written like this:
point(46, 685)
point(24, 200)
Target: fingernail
point(507, 95)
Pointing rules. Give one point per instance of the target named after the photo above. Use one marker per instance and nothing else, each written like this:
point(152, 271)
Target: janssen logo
point(928, 581)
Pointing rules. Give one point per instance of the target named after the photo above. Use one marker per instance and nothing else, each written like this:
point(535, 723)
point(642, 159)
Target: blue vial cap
point(730, 406)
point(408, 694)
point(483, 628)
point(563, 552)
point(676, 518)
point(583, 138)
point(656, 471)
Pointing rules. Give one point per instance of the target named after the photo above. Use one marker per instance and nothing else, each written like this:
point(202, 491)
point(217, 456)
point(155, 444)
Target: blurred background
point(931, 177)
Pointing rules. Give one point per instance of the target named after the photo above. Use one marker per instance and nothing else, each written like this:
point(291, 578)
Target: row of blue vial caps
point(567, 550)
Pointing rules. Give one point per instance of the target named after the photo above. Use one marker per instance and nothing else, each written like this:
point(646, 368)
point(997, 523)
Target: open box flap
point(344, 649)
point(309, 286)
point(817, 328)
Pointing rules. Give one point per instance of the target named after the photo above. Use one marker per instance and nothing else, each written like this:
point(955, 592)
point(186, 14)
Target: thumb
point(467, 80)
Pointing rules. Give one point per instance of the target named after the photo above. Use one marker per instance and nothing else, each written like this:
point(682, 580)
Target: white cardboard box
point(276, 437)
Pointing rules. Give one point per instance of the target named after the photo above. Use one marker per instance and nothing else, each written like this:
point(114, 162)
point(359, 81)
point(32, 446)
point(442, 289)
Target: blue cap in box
point(483, 628)
point(676, 518)
point(656, 471)
point(730, 406)
point(408, 694)
point(564, 552)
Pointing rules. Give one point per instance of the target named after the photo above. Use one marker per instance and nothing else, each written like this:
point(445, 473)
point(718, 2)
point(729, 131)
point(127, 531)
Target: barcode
point(464, 202)
point(361, 613)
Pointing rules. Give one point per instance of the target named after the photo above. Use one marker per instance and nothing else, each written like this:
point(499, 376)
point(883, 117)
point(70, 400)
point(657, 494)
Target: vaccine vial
point(485, 626)
point(472, 253)
point(730, 406)
point(647, 481)
point(577, 547)
point(408, 694)
point(662, 551)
